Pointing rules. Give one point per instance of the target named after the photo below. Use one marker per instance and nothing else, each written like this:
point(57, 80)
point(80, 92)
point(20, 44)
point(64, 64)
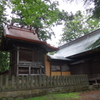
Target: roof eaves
point(49, 48)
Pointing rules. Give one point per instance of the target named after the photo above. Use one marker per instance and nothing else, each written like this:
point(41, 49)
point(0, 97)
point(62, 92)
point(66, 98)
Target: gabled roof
point(80, 45)
point(23, 35)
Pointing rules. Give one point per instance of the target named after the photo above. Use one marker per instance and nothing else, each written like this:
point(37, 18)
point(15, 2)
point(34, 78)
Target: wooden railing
point(35, 82)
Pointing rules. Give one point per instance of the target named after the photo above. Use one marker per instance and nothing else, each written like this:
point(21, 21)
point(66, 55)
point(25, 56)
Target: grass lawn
point(63, 96)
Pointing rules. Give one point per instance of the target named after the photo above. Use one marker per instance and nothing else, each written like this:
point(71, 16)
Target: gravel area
point(90, 95)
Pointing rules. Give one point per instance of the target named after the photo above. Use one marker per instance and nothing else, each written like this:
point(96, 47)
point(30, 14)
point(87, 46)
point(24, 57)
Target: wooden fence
point(36, 82)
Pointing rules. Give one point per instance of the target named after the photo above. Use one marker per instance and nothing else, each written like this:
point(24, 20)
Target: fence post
point(44, 80)
point(57, 83)
point(86, 81)
point(12, 82)
point(22, 81)
point(17, 81)
point(32, 81)
point(50, 80)
point(1, 82)
point(66, 80)
point(27, 81)
point(60, 80)
point(6, 81)
point(39, 81)
point(73, 79)
point(35, 81)
point(54, 81)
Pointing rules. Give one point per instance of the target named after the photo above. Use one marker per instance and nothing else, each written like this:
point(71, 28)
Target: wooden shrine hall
point(27, 52)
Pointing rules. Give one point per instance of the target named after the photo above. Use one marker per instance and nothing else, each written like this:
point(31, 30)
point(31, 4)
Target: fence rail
point(33, 82)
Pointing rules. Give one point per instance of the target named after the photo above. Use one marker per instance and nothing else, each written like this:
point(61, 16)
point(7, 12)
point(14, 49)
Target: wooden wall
point(49, 72)
point(66, 73)
point(89, 67)
point(59, 68)
point(59, 73)
point(56, 73)
point(47, 66)
point(25, 61)
point(80, 69)
point(22, 59)
point(95, 65)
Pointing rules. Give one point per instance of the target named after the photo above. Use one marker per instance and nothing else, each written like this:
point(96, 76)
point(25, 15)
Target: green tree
point(41, 14)
point(78, 25)
point(4, 56)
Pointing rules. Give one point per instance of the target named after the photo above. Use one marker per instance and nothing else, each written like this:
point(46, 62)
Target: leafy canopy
point(4, 56)
point(33, 9)
point(41, 14)
point(78, 25)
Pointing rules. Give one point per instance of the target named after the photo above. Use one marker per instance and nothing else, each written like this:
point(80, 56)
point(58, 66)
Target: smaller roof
point(25, 36)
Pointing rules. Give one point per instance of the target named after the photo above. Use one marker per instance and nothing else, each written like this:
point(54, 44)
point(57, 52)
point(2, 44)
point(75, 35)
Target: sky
point(69, 7)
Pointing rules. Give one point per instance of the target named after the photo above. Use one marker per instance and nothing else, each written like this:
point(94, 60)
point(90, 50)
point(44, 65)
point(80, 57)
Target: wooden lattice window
point(59, 67)
point(55, 68)
point(64, 68)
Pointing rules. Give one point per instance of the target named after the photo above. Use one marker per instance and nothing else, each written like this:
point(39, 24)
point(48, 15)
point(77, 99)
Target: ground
point(90, 95)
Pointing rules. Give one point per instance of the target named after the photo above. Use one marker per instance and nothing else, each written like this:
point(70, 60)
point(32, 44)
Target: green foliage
point(51, 53)
point(96, 10)
point(33, 9)
point(41, 14)
point(4, 61)
point(4, 56)
point(79, 25)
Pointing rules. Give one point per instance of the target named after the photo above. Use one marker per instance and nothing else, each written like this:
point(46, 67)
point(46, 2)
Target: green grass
point(52, 96)
point(64, 96)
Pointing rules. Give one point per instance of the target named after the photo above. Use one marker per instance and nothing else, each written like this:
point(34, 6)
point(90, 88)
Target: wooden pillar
point(47, 66)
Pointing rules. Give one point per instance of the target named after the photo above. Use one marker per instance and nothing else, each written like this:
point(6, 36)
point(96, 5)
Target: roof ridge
point(20, 28)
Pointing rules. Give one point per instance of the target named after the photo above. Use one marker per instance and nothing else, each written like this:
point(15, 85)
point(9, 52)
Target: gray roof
point(80, 45)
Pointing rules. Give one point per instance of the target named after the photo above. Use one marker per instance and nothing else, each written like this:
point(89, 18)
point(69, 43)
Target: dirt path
point(91, 95)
